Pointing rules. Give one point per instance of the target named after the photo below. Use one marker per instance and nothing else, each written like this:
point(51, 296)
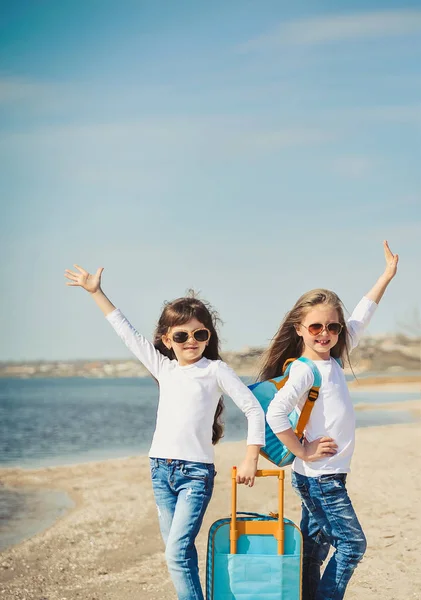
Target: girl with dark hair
point(185, 361)
point(315, 328)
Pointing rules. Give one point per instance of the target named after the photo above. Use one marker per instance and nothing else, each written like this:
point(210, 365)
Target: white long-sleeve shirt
point(188, 397)
point(333, 412)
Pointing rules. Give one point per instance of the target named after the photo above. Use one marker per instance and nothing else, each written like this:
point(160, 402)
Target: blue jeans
point(328, 519)
point(182, 492)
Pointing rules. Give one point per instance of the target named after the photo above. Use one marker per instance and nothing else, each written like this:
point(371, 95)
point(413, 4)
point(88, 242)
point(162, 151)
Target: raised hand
point(391, 261)
point(87, 281)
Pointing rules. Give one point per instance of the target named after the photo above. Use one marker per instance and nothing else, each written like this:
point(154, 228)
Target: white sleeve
point(299, 382)
point(142, 348)
point(231, 384)
point(359, 320)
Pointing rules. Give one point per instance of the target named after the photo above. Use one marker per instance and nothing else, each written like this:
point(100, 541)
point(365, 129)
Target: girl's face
point(318, 347)
point(191, 348)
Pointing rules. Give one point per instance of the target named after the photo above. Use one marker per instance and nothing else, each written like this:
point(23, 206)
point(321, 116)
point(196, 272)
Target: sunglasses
point(200, 335)
point(317, 328)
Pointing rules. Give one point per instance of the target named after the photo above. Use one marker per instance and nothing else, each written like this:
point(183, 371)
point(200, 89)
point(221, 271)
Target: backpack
point(275, 450)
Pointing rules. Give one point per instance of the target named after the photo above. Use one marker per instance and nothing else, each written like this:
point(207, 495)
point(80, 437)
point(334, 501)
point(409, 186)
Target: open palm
point(90, 283)
point(391, 261)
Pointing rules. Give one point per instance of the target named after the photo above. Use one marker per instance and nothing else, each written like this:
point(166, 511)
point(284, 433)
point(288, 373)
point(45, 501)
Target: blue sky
point(250, 150)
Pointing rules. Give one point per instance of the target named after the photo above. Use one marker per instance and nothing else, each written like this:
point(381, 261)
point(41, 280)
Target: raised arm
point(148, 355)
point(365, 309)
point(92, 284)
point(379, 288)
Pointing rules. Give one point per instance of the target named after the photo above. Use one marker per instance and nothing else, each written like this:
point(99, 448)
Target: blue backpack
point(275, 450)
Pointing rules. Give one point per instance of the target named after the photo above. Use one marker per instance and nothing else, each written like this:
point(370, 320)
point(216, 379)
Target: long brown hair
point(181, 311)
point(288, 344)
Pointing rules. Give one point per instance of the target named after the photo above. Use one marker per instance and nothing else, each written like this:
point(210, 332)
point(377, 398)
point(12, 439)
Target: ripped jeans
point(328, 519)
point(182, 491)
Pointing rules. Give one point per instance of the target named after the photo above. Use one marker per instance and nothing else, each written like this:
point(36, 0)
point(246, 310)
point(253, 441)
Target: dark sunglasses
point(181, 336)
point(317, 328)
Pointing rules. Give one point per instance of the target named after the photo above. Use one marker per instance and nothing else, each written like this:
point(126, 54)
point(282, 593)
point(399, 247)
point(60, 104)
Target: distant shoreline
point(385, 355)
point(363, 378)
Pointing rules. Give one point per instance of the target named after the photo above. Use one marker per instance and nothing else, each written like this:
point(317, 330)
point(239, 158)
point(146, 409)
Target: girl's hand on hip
point(246, 472)
point(391, 262)
point(318, 449)
point(87, 281)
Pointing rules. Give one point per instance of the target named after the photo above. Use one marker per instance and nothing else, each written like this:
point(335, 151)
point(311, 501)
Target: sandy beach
point(109, 547)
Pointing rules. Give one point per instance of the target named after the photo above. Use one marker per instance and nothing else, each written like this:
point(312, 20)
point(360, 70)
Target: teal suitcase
point(254, 556)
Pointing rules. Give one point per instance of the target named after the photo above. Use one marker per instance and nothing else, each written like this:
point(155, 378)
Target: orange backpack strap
point(281, 381)
point(286, 363)
point(306, 412)
point(313, 394)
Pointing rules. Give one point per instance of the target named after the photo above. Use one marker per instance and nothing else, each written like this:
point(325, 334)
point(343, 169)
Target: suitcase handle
point(276, 528)
point(269, 473)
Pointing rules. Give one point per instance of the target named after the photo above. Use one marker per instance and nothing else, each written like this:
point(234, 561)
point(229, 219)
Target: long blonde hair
point(288, 344)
